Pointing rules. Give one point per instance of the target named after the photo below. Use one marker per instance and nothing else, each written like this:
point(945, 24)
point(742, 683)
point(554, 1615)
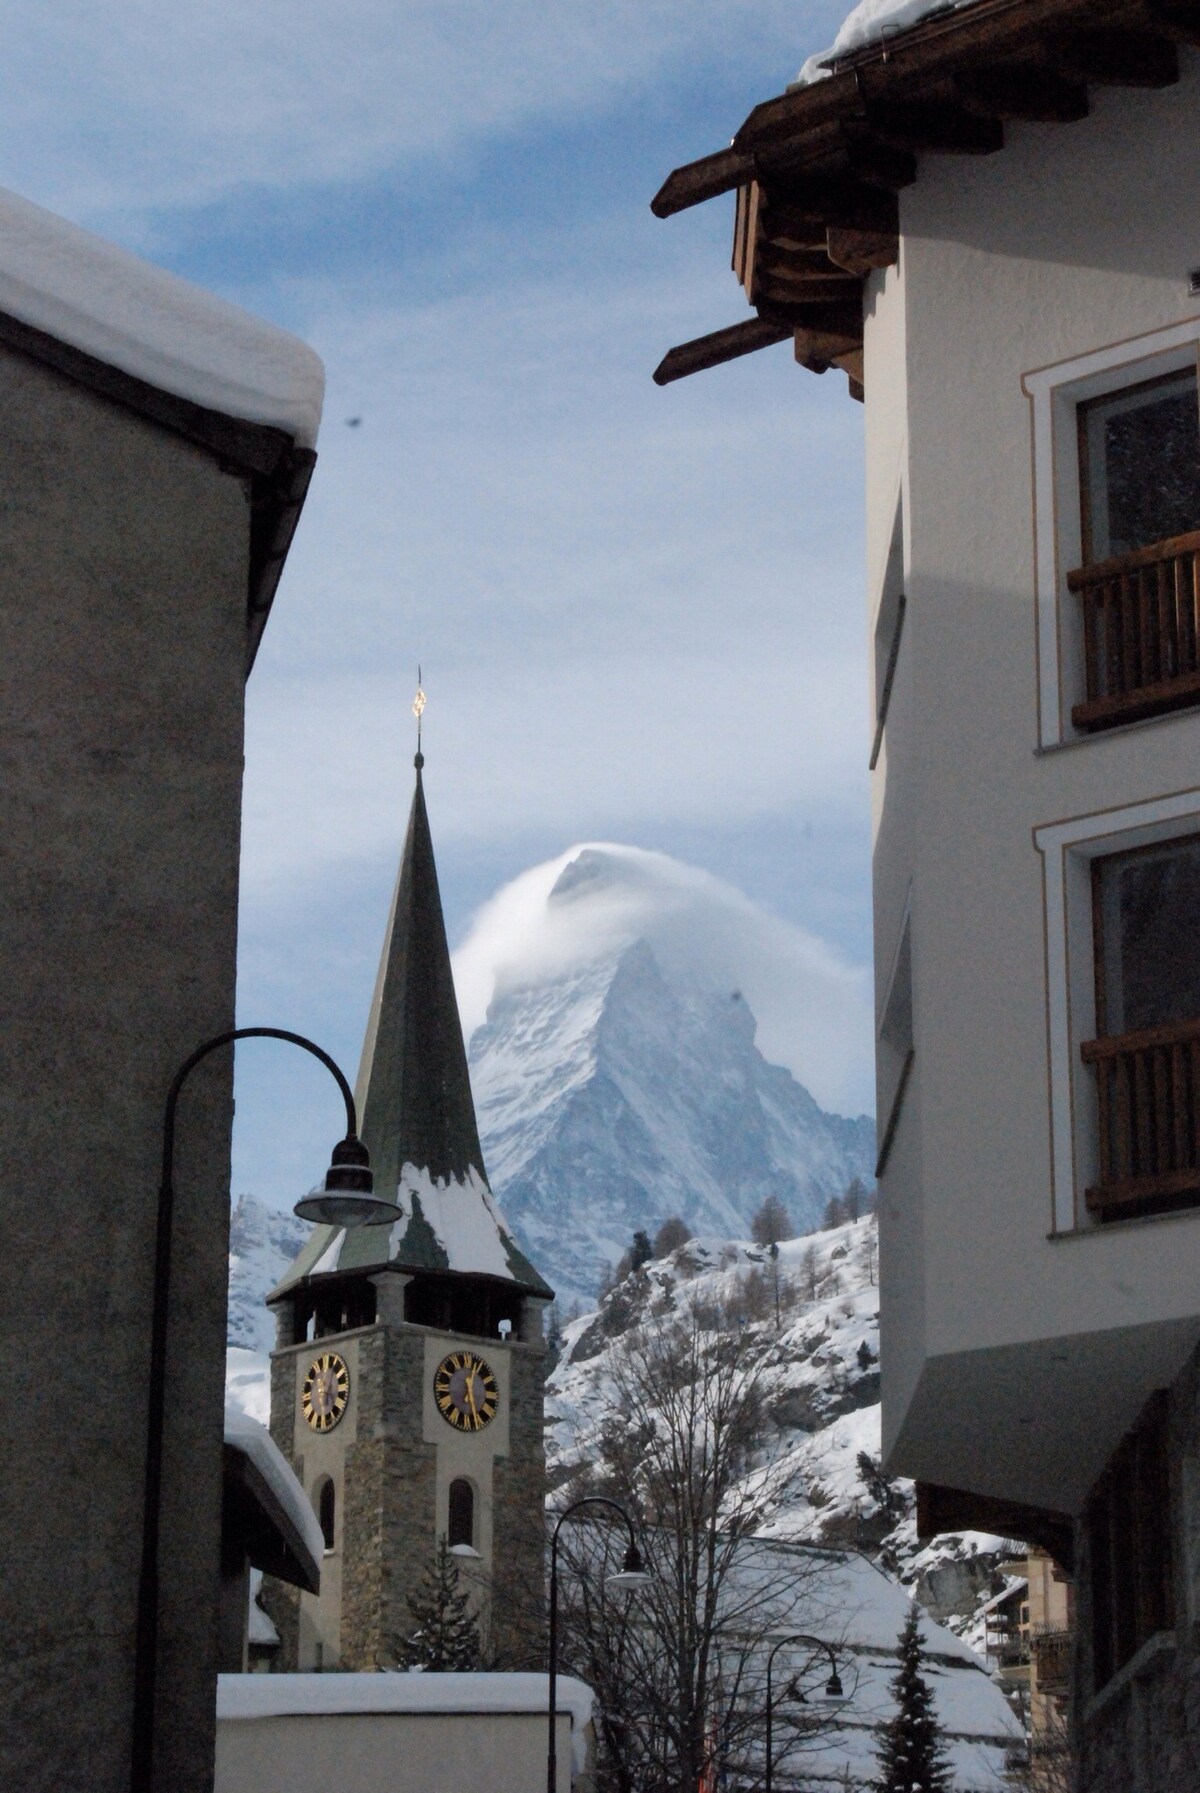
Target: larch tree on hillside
point(673, 1233)
point(772, 1223)
point(912, 1751)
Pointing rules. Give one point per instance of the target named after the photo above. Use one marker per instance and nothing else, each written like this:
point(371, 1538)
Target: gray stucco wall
point(123, 578)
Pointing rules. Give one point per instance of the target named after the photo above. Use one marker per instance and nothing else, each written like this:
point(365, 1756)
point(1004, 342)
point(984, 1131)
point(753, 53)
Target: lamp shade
point(346, 1194)
point(632, 1574)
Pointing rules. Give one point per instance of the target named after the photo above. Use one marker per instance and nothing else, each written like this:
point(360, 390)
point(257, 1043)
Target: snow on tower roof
point(83, 291)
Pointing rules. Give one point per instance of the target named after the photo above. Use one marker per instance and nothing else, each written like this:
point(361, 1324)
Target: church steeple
point(414, 1093)
point(416, 1112)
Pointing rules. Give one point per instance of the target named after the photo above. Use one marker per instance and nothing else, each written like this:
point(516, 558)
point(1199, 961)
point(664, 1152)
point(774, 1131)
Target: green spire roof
point(416, 1113)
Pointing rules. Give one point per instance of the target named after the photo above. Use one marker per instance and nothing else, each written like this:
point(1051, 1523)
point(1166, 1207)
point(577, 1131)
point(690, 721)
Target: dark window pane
point(1150, 924)
point(327, 1512)
point(462, 1513)
point(1142, 466)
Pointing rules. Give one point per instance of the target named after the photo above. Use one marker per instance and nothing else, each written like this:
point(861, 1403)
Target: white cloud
point(103, 109)
point(813, 1009)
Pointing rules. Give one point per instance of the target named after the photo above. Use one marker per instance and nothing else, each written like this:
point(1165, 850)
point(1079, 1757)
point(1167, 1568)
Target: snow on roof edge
point(870, 22)
point(256, 1444)
point(87, 292)
point(280, 1696)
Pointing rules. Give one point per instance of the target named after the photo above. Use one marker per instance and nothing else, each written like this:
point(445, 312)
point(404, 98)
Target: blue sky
point(639, 612)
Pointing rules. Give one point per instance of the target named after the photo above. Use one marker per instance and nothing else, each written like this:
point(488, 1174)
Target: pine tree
point(444, 1635)
point(912, 1754)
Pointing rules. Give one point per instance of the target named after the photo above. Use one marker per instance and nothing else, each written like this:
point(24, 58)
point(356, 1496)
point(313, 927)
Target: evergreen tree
point(641, 1251)
point(912, 1754)
point(444, 1635)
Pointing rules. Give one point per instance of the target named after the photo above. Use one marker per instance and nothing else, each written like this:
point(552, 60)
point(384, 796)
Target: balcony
point(1148, 1096)
point(1051, 1652)
point(1141, 627)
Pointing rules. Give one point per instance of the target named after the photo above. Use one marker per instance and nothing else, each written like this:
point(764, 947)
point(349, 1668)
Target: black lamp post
point(833, 1687)
point(631, 1576)
point(344, 1198)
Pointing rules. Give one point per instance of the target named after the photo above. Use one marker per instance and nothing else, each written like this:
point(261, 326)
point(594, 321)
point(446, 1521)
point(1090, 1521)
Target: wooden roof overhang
point(818, 169)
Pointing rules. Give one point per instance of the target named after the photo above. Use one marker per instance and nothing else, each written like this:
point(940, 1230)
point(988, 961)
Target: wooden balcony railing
point(1141, 628)
point(1052, 1660)
point(1148, 1092)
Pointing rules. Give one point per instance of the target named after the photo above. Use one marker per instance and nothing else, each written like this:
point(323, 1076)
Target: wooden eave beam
point(1035, 95)
point(859, 251)
point(719, 346)
point(1118, 58)
point(804, 206)
point(934, 127)
point(1177, 19)
point(697, 181)
point(907, 62)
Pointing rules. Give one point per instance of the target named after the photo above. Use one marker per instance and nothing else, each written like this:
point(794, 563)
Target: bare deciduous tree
point(679, 1668)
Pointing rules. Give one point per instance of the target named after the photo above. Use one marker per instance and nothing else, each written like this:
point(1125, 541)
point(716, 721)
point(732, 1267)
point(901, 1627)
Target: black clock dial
point(465, 1391)
point(326, 1391)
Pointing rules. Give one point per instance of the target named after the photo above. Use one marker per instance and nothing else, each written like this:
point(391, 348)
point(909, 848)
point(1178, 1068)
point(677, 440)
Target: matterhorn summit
point(650, 1043)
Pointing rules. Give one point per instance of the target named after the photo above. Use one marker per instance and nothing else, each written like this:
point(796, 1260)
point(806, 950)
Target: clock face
point(326, 1391)
point(466, 1392)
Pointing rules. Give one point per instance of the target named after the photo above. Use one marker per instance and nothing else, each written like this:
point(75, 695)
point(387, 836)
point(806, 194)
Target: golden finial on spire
point(418, 710)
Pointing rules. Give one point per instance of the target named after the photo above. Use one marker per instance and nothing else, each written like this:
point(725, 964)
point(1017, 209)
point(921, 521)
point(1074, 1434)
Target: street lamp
point(834, 1692)
point(345, 1197)
point(631, 1576)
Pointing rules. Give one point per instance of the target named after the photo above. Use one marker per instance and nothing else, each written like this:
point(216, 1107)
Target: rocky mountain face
point(813, 1477)
point(262, 1243)
point(616, 1094)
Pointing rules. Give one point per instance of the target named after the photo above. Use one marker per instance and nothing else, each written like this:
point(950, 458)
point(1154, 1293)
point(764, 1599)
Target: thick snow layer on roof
point(163, 330)
point(464, 1218)
point(870, 22)
point(255, 1442)
point(273, 1696)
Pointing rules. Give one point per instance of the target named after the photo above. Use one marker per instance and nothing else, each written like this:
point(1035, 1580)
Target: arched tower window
point(462, 1513)
point(325, 1503)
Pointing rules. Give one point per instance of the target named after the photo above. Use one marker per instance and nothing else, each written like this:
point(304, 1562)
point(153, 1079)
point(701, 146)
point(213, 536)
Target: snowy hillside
point(819, 1375)
point(619, 1080)
point(262, 1243)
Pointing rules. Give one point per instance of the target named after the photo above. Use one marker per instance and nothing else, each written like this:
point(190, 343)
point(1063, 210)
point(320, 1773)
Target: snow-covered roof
point(870, 22)
point(273, 1696)
point(254, 1442)
point(130, 315)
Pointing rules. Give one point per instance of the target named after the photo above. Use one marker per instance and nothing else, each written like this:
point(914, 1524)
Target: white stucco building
point(986, 215)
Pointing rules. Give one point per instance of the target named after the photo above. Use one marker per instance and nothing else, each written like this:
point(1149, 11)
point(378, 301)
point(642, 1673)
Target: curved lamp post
point(631, 1576)
point(345, 1197)
point(834, 1691)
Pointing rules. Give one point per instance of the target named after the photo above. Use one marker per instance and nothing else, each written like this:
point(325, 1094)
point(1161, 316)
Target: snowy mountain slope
point(820, 1375)
point(262, 1243)
point(616, 1094)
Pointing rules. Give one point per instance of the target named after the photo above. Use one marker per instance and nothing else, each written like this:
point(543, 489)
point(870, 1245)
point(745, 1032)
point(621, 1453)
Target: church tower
point(406, 1383)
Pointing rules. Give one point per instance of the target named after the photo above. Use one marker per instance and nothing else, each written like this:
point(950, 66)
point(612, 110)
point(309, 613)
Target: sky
point(638, 611)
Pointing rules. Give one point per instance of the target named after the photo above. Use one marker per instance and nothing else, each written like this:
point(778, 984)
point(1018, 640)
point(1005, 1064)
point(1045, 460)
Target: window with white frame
point(1122, 908)
point(1116, 444)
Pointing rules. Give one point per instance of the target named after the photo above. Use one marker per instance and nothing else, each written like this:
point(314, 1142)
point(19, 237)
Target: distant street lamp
point(631, 1576)
point(345, 1197)
point(834, 1692)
